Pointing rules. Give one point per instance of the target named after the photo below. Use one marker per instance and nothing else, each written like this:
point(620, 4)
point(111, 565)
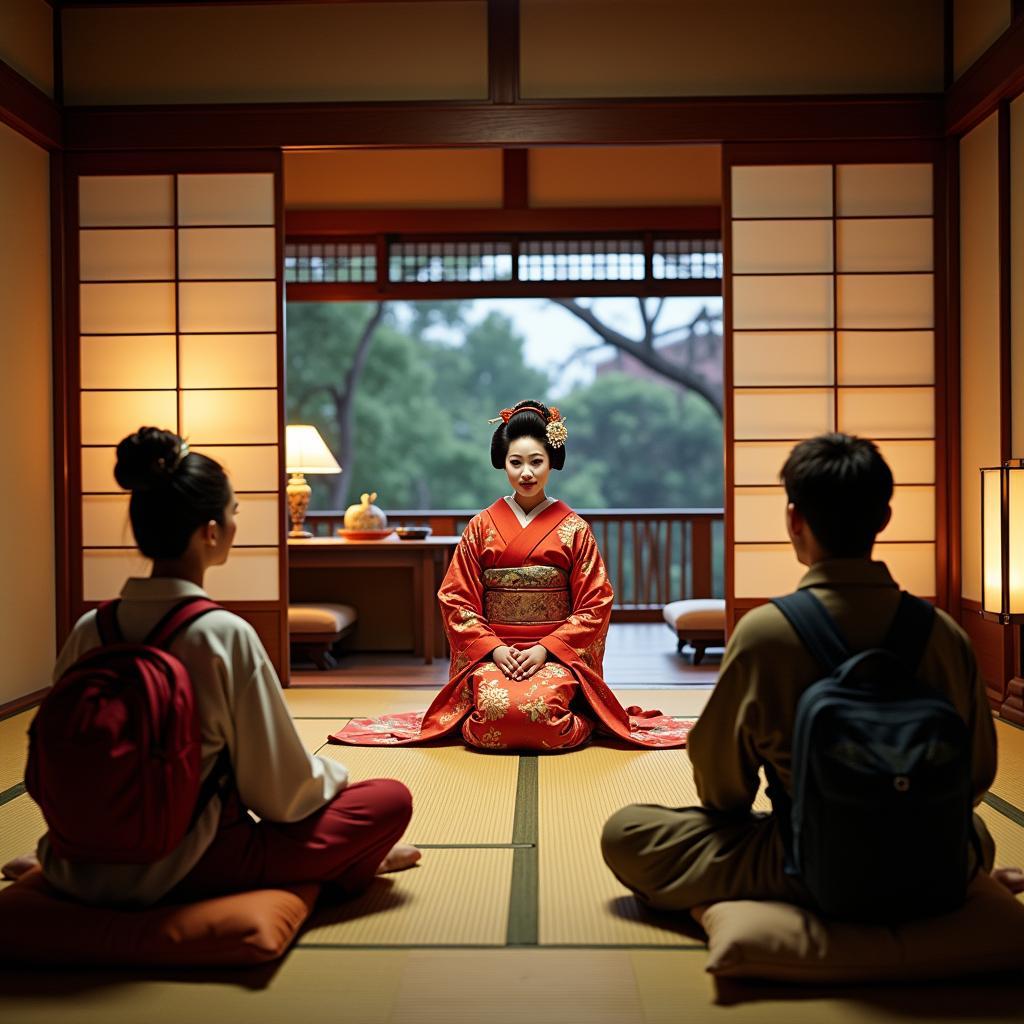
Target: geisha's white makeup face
point(528, 468)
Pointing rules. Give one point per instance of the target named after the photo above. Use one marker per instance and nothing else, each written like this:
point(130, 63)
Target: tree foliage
point(432, 378)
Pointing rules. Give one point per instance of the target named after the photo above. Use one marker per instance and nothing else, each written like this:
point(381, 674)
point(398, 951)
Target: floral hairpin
point(556, 429)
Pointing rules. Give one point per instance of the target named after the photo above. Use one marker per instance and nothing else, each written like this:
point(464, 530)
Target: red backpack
point(114, 750)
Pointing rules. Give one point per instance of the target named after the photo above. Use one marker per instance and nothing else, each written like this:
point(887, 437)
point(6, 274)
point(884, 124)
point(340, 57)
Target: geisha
point(526, 604)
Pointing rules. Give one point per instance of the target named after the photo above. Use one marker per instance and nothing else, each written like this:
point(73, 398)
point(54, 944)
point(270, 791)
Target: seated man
point(839, 489)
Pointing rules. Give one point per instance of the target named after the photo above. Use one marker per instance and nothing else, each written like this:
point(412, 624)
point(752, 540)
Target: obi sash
point(526, 602)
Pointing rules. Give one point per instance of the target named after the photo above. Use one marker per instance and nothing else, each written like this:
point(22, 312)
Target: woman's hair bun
point(147, 459)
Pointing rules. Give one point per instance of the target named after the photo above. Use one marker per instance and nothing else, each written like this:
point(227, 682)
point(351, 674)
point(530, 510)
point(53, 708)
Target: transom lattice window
point(512, 261)
point(686, 259)
point(599, 259)
point(435, 262)
point(331, 261)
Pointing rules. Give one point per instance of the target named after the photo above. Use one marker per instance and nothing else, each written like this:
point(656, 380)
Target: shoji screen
point(830, 320)
point(179, 320)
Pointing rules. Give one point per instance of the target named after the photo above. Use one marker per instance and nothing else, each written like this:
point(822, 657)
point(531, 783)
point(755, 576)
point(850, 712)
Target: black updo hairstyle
point(529, 419)
point(172, 493)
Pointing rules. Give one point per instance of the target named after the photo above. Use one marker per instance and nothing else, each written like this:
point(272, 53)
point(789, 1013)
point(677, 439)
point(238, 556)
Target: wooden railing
point(653, 555)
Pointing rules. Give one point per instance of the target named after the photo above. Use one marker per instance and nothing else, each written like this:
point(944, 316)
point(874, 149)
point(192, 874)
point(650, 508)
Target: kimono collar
point(524, 517)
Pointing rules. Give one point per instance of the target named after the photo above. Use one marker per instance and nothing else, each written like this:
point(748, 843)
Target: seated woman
point(313, 826)
point(526, 604)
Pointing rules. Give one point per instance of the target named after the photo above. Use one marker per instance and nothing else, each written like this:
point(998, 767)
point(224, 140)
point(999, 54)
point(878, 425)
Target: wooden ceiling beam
point(28, 110)
point(457, 124)
point(997, 75)
point(701, 220)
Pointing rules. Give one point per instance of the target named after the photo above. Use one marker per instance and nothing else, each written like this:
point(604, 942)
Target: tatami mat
point(314, 731)
point(14, 748)
point(557, 986)
point(674, 988)
point(21, 825)
point(459, 795)
point(455, 898)
point(687, 703)
point(1009, 781)
point(354, 702)
point(1008, 836)
point(581, 902)
point(310, 984)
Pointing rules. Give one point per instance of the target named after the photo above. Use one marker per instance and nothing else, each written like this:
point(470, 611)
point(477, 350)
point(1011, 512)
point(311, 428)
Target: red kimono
point(519, 586)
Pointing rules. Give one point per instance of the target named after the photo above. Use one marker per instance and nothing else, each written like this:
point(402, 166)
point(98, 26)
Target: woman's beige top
point(240, 706)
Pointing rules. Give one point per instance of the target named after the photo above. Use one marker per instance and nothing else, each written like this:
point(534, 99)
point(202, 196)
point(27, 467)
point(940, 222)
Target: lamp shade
point(1002, 541)
point(306, 451)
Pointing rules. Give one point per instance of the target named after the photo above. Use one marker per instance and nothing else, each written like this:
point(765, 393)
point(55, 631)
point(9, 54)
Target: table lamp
point(305, 452)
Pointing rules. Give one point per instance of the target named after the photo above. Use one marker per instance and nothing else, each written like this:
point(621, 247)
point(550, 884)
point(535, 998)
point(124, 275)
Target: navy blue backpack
point(878, 825)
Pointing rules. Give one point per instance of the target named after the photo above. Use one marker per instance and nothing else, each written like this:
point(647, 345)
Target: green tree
point(654, 446)
point(417, 432)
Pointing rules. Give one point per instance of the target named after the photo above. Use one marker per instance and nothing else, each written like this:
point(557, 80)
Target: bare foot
point(14, 869)
point(402, 856)
point(1012, 878)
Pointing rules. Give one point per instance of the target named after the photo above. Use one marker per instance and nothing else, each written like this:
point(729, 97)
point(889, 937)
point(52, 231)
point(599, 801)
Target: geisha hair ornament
point(179, 458)
point(555, 428)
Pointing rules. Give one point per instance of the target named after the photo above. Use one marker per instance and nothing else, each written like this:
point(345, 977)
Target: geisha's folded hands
point(506, 659)
point(529, 661)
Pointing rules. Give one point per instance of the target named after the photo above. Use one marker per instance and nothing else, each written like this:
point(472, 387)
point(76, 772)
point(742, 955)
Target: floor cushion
point(781, 942)
point(314, 628)
point(699, 622)
point(696, 613)
point(38, 925)
point(320, 618)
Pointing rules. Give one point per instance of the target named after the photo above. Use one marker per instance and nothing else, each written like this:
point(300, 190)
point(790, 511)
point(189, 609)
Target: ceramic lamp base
point(298, 501)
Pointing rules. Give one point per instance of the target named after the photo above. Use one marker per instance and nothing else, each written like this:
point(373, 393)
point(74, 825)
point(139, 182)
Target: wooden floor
point(638, 654)
point(462, 948)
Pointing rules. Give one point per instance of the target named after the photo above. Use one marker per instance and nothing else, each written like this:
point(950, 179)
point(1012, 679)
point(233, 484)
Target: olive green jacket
point(748, 722)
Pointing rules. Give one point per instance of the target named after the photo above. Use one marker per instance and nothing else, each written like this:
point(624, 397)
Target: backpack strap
point(106, 623)
point(180, 617)
point(216, 783)
point(815, 628)
point(910, 630)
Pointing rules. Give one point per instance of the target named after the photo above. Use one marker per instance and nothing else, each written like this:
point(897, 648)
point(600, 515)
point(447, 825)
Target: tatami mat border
point(1004, 807)
point(523, 906)
point(9, 794)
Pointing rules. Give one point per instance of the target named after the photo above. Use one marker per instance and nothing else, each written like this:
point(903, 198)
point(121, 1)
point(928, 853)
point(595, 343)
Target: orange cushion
point(778, 941)
point(38, 925)
point(696, 613)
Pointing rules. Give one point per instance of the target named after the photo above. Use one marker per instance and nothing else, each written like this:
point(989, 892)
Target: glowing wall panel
point(782, 302)
point(136, 200)
point(759, 462)
point(765, 570)
point(797, 358)
point(113, 255)
point(251, 467)
point(179, 324)
point(886, 357)
point(104, 571)
point(128, 361)
point(781, 246)
point(831, 327)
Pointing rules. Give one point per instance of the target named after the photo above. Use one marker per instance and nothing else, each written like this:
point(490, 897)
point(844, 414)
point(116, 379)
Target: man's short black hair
point(842, 487)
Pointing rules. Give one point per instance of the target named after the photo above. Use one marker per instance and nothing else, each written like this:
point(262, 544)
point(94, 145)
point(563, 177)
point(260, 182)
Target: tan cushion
point(38, 925)
point(747, 939)
point(320, 618)
point(697, 613)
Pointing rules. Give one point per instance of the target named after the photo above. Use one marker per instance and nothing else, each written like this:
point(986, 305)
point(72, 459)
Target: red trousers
point(342, 844)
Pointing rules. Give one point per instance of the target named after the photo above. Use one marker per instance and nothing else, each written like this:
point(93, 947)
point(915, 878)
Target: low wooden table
point(427, 560)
